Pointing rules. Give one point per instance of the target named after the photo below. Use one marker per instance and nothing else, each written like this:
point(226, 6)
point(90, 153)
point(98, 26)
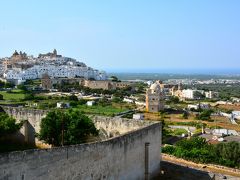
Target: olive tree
point(66, 127)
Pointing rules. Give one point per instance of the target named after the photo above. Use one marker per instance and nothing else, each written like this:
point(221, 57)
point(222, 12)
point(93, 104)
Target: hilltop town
point(20, 67)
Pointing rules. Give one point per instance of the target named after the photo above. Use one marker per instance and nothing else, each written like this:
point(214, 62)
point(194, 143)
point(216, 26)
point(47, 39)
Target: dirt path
point(203, 167)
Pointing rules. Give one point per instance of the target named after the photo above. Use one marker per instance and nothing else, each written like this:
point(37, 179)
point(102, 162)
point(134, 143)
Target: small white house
point(90, 103)
point(128, 100)
point(193, 106)
point(198, 106)
point(138, 116)
point(204, 106)
point(63, 105)
point(139, 103)
point(236, 114)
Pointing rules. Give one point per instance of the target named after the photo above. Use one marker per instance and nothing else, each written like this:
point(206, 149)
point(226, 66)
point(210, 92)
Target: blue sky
point(127, 35)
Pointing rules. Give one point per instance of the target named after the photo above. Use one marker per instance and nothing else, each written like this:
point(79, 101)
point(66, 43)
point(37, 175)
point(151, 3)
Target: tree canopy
point(114, 78)
point(198, 95)
point(197, 149)
point(71, 125)
point(204, 115)
point(73, 98)
point(8, 124)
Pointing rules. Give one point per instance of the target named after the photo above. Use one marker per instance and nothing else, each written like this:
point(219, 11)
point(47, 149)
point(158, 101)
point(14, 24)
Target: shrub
point(76, 126)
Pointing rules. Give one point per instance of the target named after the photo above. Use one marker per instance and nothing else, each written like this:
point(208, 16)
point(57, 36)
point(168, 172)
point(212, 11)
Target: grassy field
point(14, 95)
point(178, 132)
point(101, 110)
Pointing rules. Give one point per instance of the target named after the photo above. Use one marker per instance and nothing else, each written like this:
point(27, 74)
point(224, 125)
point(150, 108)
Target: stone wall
point(32, 120)
point(110, 126)
point(120, 157)
point(33, 116)
point(115, 126)
point(106, 85)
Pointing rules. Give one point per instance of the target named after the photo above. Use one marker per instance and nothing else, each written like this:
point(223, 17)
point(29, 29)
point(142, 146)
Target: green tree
point(9, 85)
point(2, 84)
point(229, 153)
point(204, 115)
point(192, 143)
point(117, 99)
point(185, 115)
point(80, 127)
point(173, 99)
point(114, 79)
point(72, 125)
point(162, 115)
point(73, 104)
point(198, 95)
point(140, 87)
point(8, 125)
point(82, 101)
point(29, 82)
point(103, 102)
point(29, 96)
point(73, 98)
point(22, 87)
point(198, 150)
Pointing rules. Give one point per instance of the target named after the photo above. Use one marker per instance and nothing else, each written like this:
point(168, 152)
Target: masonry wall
point(32, 120)
point(33, 116)
point(121, 157)
point(115, 126)
point(112, 126)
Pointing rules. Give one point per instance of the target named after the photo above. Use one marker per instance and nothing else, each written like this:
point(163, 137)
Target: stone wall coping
point(19, 155)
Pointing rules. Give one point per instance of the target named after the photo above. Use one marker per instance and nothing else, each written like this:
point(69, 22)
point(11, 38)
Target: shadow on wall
point(29, 133)
point(31, 124)
point(26, 135)
point(177, 172)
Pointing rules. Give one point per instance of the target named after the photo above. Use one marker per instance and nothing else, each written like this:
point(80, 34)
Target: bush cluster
point(198, 150)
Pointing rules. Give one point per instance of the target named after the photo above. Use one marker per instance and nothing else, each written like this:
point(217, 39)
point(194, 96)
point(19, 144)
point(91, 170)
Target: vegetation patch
point(108, 110)
point(66, 127)
point(198, 150)
point(15, 95)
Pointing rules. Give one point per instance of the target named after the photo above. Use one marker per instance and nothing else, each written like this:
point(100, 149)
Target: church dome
point(155, 87)
point(15, 53)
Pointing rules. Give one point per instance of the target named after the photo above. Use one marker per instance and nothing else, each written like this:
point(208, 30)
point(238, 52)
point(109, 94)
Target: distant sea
point(164, 74)
point(206, 71)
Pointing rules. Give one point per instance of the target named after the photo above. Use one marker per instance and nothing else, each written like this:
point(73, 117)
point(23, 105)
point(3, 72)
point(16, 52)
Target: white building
point(189, 93)
point(236, 114)
point(193, 106)
point(55, 68)
point(211, 94)
point(128, 100)
point(138, 116)
point(199, 106)
point(90, 103)
point(63, 105)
